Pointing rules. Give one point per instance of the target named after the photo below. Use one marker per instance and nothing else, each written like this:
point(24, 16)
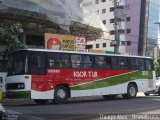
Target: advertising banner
point(59, 42)
point(65, 42)
point(81, 44)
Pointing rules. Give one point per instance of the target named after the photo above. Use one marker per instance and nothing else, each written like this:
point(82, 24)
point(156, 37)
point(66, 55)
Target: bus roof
point(87, 53)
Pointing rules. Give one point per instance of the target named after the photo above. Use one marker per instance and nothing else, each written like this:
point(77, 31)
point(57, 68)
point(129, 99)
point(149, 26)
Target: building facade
point(138, 33)
point(141, 22)
point(105, 9)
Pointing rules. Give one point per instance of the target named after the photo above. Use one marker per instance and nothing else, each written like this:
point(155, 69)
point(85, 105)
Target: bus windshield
point(18, 64)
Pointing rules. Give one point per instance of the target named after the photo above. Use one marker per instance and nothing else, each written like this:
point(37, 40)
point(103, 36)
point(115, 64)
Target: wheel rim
point(132, 91)
point(61, 93)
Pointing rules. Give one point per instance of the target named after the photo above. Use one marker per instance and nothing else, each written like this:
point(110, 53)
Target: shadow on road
point(77, 100)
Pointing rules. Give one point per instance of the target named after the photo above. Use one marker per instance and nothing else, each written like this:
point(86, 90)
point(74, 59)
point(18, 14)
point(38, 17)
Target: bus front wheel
point(40, 102)
point(61, 94)
point(131, 91)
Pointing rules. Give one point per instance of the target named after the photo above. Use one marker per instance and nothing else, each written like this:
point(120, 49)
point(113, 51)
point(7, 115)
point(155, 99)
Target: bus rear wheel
point(61, 94)
point(131, 91)
point(40, 102)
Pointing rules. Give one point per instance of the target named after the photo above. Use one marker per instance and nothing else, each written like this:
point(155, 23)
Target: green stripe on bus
point(21, 94)
point(115, 80)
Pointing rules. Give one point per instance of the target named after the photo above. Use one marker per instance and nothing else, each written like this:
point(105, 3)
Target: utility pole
point(116, 23)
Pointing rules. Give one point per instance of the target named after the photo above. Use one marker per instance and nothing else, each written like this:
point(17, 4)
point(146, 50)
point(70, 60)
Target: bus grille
point(14, 86)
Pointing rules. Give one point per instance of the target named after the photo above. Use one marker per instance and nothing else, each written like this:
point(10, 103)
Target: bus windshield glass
point(18, 64)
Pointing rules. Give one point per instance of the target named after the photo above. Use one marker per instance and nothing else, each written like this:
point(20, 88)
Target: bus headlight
point(20, 86)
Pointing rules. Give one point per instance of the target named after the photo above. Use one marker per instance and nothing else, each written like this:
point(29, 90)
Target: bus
point(43, 75)
point(3, 73)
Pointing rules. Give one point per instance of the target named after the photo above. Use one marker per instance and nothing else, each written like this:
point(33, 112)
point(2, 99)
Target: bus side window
point(141, 65)
point(53, 60)
point(149, 64)
point(86, 62)
point(76, 61)
point(38, 64)
point(108, 63)
point(120, 63)
point(99, 62)
point(65, 61)
point(133, 63)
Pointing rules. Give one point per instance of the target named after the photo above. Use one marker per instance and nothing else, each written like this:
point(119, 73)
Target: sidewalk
point(140, 94)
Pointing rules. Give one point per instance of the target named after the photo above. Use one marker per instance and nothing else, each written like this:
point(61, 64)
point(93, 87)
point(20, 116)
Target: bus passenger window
point(141, 64)
point(38, 63)
point(149, 64)
point(53, 61)
point(76, 61)
point(108, 63)
point(86, 62)
point(99, 62)
point(133, 63)
point(65, 61)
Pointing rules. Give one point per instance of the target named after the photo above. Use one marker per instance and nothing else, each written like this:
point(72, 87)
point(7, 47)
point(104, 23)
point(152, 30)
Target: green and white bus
point(42, 75)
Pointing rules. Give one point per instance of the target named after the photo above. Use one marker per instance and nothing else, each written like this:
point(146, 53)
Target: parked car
point(157, 90)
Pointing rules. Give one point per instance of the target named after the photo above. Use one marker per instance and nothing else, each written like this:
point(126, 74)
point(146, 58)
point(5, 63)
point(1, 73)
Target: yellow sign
point(60, 42)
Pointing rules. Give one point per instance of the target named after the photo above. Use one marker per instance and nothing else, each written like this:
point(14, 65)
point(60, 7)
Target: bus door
point(39, 83)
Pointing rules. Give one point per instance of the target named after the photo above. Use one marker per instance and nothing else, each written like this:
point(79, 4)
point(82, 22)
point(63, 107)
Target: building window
point(128, 19)
point(111, 9)
point(112, 32)
point(121, 31)
point(127, 7)
point(104, 22)
point(103, 11)
point(89, 46)
point(97, 45)
point(128, 43)
point(120, 7)
point(97, 11)
point(128, 30)
point(97, 1)
point(123, 43)
point(120, 20)
point(103, 0)
point(111, 20)
point(104, 45)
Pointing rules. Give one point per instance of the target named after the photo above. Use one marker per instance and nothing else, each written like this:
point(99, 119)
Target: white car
point(157, 90)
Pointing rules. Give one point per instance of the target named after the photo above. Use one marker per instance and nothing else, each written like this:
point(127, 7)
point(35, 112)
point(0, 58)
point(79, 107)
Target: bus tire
point(131, 91)
point(159, 91)
point(40, 102)
point(109, 96)
point(146, 94)
point(61, 94)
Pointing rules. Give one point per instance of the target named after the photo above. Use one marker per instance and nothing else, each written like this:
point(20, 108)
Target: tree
point(157, 67)
point(10, 39)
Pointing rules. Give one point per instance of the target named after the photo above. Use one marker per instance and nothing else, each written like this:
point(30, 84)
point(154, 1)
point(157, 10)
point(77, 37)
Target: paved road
point(87, 108)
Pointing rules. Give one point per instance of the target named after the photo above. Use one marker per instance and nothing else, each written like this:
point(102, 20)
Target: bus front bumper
point(15, 94)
